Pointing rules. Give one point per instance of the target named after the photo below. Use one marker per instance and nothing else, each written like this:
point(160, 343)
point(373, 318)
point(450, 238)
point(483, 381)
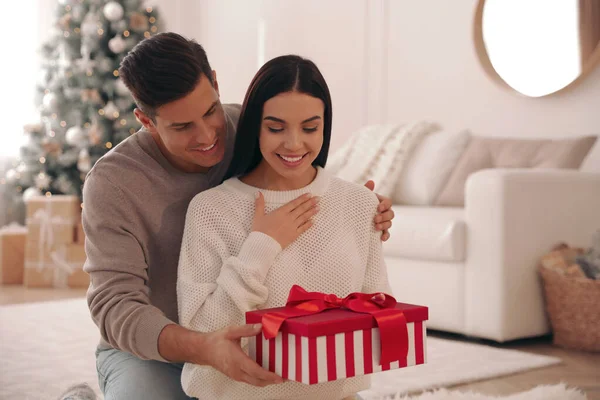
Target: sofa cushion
point(427, 233)
point(487, 152)
point(429, 166)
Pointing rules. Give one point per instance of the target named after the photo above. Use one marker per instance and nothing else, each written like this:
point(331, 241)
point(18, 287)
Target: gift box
point(53, 219)
point(12, 254)
point(318, 338)
point(63, 206)
point(76, 258)
point(61, 267)
point(79, 234)
point(52, 256)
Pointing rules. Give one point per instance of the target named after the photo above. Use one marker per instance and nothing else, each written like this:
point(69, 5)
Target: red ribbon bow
point(391, 322)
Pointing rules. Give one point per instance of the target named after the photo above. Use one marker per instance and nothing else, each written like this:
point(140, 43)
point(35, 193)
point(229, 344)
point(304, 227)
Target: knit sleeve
point(376, 279)
point(216, 288)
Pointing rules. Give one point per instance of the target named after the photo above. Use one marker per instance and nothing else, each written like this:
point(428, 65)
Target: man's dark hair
point(280, 75)
point(163, 68)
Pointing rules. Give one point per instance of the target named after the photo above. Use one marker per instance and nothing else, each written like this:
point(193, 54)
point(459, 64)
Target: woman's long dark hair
point(279, 75)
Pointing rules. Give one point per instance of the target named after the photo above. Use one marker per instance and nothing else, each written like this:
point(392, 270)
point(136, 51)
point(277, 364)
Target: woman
point(234, 259)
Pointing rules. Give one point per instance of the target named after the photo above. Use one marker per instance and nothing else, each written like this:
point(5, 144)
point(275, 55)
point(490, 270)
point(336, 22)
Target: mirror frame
point(485, 62)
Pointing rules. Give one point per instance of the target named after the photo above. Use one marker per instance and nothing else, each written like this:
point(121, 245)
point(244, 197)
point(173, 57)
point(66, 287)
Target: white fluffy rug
point(556, 392)
point(451, 363)
point(46, 347)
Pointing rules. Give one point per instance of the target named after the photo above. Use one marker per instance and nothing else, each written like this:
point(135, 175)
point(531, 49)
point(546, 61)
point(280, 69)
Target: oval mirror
point(538, 47)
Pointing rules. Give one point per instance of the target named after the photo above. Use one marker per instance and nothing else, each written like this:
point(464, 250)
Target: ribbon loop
point(390, 321)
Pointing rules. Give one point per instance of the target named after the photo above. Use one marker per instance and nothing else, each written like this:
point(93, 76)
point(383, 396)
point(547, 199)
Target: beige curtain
point(589, 28)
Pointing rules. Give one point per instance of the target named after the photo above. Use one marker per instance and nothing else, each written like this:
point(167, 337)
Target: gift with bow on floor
point(54, 250)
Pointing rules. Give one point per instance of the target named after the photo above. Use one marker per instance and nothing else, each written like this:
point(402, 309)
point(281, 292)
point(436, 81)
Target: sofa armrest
point(513, 217)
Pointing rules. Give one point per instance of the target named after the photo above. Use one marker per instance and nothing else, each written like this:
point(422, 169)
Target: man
point(135, 201)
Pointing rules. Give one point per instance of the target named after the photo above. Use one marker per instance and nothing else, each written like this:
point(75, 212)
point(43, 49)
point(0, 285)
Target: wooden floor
point(16, 294)
point(579, 369)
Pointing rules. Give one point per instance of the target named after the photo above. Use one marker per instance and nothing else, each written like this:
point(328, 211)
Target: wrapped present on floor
point(61, 266)
point(53, 219)
point(79, 234)
point(52, 256)
point(318, 338)
point(76, 257)
point(12, 254)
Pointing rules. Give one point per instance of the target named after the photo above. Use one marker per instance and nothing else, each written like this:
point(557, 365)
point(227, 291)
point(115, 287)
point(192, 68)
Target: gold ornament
point(90, 95)
point(95, 134)
point(65, 22)
point(138, 22)
point(84, 163)
point(33, 128)
point(52, 148)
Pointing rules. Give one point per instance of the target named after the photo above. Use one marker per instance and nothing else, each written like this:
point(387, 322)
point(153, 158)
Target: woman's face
point(291, 133)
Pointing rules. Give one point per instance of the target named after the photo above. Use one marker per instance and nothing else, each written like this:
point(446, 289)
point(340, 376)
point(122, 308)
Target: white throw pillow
point(429, 167)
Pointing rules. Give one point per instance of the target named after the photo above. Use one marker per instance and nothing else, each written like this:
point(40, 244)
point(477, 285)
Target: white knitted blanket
point(379, 153)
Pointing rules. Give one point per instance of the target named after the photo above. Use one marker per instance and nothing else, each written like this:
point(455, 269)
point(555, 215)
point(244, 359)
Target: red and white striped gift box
point(334, 344)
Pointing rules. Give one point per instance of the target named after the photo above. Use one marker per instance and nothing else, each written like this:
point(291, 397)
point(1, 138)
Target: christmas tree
point(84, 108)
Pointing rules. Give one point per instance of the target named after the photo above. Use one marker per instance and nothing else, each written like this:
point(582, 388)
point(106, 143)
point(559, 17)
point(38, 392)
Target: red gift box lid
point(334, 321)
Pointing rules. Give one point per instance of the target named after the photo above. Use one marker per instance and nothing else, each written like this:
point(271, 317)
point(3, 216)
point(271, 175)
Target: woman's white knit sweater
point(226, 270)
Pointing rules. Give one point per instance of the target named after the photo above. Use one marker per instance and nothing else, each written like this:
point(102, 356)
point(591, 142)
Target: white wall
point(385, 61)
point(434, 72)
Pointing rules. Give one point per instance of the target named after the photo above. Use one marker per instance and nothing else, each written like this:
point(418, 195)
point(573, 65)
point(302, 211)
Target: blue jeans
point(123, 376)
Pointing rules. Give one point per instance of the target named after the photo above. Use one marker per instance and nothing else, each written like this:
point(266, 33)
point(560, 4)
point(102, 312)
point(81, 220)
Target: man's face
point(191, 132)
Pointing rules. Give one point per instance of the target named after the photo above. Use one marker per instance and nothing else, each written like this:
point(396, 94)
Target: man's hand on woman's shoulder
point(385, 214)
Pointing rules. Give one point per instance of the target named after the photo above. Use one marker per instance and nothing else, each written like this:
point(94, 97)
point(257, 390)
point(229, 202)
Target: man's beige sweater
point(134, 210)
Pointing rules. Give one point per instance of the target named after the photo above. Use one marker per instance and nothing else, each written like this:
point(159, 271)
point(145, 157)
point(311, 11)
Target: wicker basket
point(573, 305)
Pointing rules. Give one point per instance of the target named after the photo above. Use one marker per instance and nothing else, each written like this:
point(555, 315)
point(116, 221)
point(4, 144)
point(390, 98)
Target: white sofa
point(475, 267)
